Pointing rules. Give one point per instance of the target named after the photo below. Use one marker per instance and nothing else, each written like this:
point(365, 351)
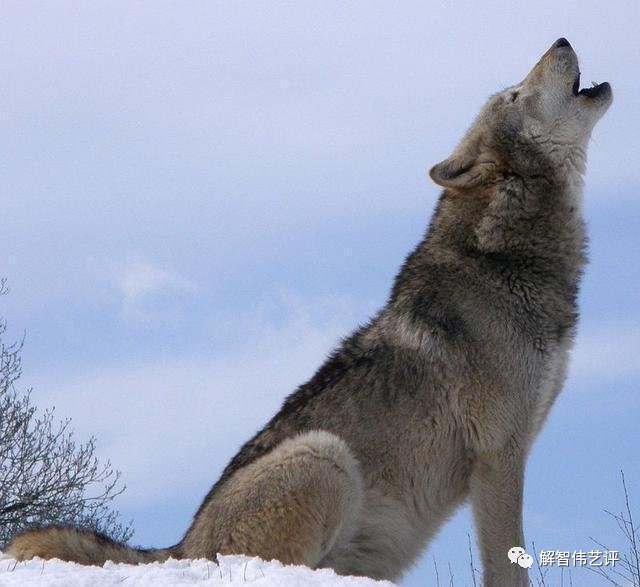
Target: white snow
point(238, 570)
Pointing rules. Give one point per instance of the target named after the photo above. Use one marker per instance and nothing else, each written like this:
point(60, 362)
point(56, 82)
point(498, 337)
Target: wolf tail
point(80, 546)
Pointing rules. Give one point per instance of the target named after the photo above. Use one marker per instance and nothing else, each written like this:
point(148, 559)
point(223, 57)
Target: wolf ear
point(454, 172)
point(464, 169)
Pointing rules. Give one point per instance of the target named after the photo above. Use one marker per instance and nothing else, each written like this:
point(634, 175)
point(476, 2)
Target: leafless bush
point(45, 476)
point(628, 572)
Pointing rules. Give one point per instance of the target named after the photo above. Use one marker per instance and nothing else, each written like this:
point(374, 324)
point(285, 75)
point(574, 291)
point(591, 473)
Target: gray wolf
point(439, 397)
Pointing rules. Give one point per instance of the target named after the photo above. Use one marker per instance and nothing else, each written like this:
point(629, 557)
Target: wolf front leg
point(496, 488)
point(293, 504)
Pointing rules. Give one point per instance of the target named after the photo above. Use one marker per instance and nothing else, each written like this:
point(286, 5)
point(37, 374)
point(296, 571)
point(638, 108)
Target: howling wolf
point(439, 397)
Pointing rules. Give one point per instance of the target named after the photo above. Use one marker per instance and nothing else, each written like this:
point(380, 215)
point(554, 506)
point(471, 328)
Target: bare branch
point(45, 476)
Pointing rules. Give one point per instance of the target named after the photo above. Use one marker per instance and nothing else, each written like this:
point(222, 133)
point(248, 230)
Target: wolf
point(438, 398)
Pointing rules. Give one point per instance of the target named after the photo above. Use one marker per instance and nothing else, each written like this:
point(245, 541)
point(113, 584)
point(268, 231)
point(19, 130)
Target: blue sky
point(199, 199)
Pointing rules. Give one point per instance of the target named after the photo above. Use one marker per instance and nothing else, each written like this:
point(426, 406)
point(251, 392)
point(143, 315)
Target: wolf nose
point(562, 42)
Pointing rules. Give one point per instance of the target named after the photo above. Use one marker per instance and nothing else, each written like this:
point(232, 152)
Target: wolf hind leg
point(293, 504)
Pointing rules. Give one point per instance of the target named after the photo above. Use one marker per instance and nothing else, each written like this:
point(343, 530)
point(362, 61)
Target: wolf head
point(538, 125)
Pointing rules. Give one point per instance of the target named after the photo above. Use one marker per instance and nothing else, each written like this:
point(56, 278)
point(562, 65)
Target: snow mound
point(238, 570)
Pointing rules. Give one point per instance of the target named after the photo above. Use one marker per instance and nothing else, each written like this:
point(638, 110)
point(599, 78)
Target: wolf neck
point(534, 216)
point(571, 165)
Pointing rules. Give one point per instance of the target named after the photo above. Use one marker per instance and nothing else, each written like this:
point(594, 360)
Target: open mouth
point(592, 92)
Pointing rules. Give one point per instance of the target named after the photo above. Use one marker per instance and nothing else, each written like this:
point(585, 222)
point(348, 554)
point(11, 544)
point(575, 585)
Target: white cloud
point(607, 352)
point(171, 425)
point(139, 282)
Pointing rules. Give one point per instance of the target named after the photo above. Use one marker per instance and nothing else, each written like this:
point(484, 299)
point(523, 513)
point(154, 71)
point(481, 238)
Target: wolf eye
point(514, 96)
